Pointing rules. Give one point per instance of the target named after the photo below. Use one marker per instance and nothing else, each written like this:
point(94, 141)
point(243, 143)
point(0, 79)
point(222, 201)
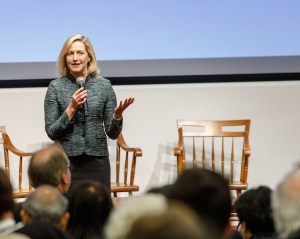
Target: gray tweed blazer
point(81, 134)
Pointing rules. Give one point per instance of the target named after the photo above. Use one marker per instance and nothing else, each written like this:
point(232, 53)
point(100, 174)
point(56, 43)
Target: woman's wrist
point(70, 111)
point(117, 117)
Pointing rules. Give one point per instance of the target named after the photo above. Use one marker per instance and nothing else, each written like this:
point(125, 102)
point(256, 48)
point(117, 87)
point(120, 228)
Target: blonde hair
point(62, 64)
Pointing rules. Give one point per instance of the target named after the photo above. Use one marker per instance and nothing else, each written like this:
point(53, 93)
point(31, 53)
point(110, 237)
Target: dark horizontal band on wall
point(166, 79)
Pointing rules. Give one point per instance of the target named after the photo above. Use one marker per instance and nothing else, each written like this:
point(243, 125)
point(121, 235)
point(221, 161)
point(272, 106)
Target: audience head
point(51, 166)
point(207, 193)
point(254, 210)
point(176, 222)
point(46, 203)
point(90, 204)
point(6, 194)
point(128, 211)
point(286, 204)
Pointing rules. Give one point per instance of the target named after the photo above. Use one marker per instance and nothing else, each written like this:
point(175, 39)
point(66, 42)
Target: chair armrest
point(178, 151)
point(137, 151)
point(247, 150)
point(8, 145)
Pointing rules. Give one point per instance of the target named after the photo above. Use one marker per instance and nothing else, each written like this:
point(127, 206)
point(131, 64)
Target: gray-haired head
point(45, 203)
point(122, 218)
point(286, 204)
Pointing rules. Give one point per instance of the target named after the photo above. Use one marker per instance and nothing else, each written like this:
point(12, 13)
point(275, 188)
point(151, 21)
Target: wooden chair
point(10, 152)
point(125, 155)
point(221, 146)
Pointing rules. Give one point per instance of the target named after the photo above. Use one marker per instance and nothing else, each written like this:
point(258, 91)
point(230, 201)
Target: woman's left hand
point(122, 106)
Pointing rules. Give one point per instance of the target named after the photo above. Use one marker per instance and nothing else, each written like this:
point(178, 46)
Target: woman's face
point(77, 59)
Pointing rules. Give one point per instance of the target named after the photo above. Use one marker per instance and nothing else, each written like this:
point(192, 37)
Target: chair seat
point(121, 187)
point(238, 186)
point(233, 217)
point(21, 193)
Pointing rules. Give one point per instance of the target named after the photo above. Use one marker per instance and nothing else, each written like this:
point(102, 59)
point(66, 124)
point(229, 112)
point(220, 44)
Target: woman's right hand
point(78, 98)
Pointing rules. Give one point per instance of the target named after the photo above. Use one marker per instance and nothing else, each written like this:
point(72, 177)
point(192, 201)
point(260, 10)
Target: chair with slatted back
point(10, 152)
point(125, 161)
point(218, 145)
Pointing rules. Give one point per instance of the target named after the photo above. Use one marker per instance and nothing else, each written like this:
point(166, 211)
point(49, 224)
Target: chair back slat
point(223, 157)
point(133, 165)
point(6, 160)
point(203, 153)
point(118, 163)
point(194, 154)
point(126, 168)
point(213, 168)
point(20, 172)
point(232, 161)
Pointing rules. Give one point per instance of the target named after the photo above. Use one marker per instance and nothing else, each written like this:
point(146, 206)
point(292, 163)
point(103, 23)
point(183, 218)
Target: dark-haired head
point(254, 209)
point(90, 204)
point(6, 193)
point(207, 192)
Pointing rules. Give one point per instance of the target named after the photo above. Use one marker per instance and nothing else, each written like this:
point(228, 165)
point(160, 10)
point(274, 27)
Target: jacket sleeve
point(112, 129)
point(56, 120)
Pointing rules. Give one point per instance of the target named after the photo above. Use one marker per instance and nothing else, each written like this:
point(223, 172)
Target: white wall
point(150, 123)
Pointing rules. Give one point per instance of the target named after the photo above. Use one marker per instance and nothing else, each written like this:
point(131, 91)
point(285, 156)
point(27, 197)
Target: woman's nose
point(75, 57)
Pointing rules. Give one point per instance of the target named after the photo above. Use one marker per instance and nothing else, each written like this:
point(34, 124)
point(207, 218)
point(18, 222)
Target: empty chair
point(125, 167)
point(10, 152)
point(219, 145)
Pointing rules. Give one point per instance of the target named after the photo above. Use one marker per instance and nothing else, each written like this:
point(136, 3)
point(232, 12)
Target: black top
point(43, 230)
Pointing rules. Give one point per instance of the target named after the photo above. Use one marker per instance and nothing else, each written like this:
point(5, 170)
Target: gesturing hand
point(122, 106)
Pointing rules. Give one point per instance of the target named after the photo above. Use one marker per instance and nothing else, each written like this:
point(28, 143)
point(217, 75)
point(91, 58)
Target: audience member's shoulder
point(17, 211)
point(40, 230)
point(13, 236)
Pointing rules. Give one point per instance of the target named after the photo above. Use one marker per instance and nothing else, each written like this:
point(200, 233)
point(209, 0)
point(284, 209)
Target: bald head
point(292, 184)
point(49, 166)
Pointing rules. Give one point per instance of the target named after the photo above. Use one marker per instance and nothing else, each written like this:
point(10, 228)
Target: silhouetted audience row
point(196, 206)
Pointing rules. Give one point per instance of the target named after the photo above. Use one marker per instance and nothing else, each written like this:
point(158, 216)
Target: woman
point(83, 136)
